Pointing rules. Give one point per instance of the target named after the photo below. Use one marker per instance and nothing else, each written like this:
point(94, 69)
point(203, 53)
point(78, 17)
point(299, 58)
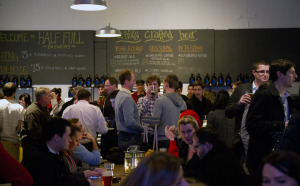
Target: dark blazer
point(201, 108)
point(265, 116)
point(47, 168)
point(233, 109)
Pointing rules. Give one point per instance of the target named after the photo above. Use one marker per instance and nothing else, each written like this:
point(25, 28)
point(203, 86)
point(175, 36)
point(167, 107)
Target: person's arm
point(92, 158)
point(236, 103)
point(128, 111)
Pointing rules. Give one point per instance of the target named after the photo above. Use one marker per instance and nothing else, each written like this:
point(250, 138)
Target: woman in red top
point(187, 125)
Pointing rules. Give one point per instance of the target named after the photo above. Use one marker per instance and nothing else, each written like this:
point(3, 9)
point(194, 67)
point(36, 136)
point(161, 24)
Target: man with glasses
point(269, 113)
point(239, 102)
point(111, 87)
point(146, 103)
point(218, 164)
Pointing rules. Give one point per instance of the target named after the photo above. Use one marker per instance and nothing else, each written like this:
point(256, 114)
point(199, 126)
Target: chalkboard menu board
point(50, 57)
point(162, 52)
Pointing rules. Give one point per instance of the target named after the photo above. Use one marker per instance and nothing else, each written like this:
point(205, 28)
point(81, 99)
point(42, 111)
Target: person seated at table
point(69, 158)
point(219, 165)
point(92, 158)
point(187, 125)
point(24, 100)
point(281, 168)
point(158, 168)
point(44, 162)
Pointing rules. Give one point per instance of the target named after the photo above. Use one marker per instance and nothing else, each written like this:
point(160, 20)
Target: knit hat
point(191, 113)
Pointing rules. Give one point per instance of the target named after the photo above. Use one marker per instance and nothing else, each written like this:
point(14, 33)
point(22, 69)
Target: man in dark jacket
point(239, 103)
point(198, 102)
point(43, 160)
point(219, 165)
point(269, 112)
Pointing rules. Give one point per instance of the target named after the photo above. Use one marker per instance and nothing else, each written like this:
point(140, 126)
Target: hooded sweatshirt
point(168, 108)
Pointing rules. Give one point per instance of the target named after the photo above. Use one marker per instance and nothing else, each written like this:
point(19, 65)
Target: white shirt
point(10, 114)
point(89, 115)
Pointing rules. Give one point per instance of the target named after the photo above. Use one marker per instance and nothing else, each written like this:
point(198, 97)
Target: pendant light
point(108, 32)
point(89, 5)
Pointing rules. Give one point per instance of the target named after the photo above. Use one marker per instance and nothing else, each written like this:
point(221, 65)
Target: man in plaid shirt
point(145, 104)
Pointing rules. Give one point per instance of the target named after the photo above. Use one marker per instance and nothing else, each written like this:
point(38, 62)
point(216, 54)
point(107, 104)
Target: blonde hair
point(187, 120)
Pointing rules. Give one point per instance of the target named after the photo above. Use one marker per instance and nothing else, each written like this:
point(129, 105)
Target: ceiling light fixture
point(108, 32)
point(89, 5)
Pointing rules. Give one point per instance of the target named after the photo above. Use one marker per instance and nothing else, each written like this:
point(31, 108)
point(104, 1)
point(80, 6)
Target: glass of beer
point(153, 90)
point(250, 94)
point(106, 178)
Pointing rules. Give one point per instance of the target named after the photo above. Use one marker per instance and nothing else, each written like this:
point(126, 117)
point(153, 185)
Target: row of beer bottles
point(220, 80)
point(23, 82)
point(88, 82)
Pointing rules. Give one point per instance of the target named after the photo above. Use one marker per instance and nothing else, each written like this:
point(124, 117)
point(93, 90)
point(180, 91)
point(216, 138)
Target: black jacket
point(201, 108)
point(47, 168)
point(265, 116)
point(220, 167)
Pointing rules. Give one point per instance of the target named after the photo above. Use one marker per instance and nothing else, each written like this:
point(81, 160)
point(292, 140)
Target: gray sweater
point(168, 108)
point(127, 115)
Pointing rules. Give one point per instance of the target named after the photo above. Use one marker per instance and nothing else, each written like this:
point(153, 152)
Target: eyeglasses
point(262, 72)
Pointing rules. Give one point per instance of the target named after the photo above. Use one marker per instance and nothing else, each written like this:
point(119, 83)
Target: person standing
point(167, 108)
point(239, 103)
point(111, 87)
point(36, 114)
point(140, 90)
point(146, 103)
point(127, 115)
point(89, 115)
point(198, 102)
point(11, 115)
point(269, 112)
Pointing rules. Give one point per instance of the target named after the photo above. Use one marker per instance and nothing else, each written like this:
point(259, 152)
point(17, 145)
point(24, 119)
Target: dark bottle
point(74, 81)
point(80, 81)
point(198, 77)
point(22, 82)
point(28, 81)
point(96, 81)
point(102, 79)
point(1, 82)
point(15, 81)
point(239, 77)
point(88, 81)
point(207, 80)
point(214, 80)
point(106, 77)
point(70, 93)
point(192, 79)
point(228, 80)
point(246, 78)
point(6, 80)
point(221, 80)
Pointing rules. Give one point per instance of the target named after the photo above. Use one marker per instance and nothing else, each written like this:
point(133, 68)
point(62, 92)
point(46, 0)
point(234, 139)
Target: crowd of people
point(251, 137)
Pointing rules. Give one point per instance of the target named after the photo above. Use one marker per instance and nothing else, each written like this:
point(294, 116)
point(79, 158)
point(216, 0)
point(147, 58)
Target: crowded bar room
point(149, 93)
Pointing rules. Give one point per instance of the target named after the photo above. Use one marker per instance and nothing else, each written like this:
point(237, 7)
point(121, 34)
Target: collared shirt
point(51, 150)
point(145, 105)
point(286, 106)
point(89, 115)
point(254, 87)
point(10, 114)
point(125, 90)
